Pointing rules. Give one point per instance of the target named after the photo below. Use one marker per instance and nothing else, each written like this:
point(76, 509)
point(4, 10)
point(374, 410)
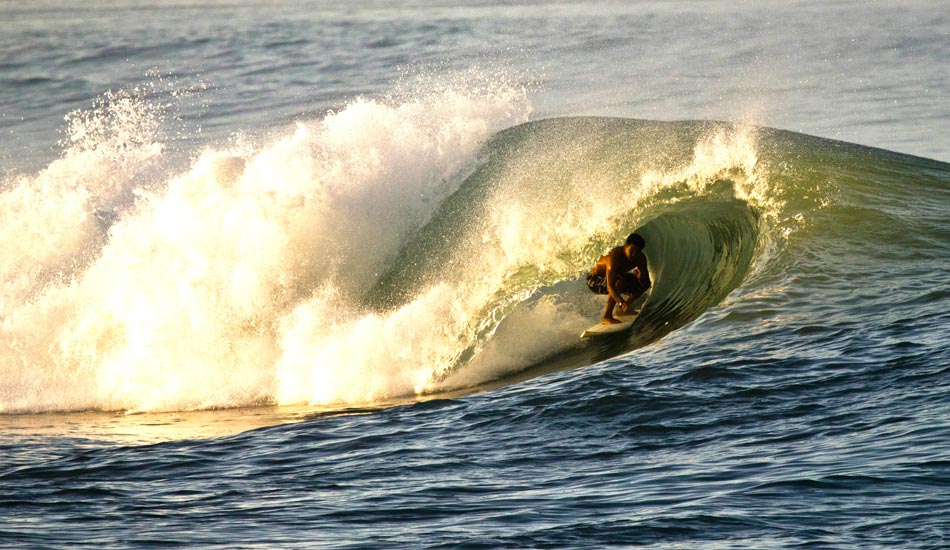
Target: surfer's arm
point(642, 273)
point(612, 287)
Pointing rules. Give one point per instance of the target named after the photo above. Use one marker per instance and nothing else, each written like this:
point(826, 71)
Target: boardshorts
point(627, 284)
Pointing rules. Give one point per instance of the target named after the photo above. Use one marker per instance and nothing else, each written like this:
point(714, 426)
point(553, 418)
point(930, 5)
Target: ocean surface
point(311, 274)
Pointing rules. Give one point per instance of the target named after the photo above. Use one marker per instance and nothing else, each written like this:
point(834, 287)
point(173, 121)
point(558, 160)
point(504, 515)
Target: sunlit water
point(310, 275)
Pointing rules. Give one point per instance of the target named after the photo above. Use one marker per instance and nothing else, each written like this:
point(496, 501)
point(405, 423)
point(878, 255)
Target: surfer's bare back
point(618, 273)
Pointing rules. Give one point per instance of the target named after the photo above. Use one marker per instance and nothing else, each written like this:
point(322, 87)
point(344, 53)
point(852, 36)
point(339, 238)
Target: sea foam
point(123, 289)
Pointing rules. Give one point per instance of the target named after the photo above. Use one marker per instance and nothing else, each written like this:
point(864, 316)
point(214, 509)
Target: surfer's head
point(636, 240)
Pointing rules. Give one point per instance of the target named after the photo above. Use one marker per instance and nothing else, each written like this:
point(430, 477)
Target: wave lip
point(547, 199)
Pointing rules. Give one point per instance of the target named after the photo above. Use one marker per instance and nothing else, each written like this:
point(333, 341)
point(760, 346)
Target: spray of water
point(188, 293)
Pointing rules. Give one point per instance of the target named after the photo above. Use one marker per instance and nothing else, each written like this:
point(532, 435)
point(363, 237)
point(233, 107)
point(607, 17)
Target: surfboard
point(603, 330)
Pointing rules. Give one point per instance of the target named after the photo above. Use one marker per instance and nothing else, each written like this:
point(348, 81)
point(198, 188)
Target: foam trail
point(190, 299)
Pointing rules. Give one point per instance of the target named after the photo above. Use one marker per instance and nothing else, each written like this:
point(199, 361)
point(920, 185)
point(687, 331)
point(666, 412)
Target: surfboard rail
point(602, 330)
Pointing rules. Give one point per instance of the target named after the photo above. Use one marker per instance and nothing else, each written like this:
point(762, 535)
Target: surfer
point(618, 273)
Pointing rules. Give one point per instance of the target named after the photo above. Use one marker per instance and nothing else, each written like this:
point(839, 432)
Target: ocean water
point(310, 274)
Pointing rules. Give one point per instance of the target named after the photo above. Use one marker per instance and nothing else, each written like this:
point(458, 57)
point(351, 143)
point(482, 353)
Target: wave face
point(394, 250)
point(549, 197)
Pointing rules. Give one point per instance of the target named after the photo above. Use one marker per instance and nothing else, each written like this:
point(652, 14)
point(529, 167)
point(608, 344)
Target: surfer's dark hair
point(636, 240)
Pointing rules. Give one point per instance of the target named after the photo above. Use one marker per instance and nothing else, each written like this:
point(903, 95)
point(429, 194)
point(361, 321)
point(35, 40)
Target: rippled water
point(310, 275)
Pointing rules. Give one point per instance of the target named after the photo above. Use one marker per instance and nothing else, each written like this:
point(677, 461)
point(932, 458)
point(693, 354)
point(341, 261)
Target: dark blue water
point(230, 319)
point(727, 452)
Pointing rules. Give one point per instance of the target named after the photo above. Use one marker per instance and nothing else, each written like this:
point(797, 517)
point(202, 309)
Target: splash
point(54, 222)
point(191, 294)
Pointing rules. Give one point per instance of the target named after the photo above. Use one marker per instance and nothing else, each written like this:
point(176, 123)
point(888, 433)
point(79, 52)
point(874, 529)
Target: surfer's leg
point(597, 284)
point(608, 318)
point(630, 286)
point(630, 290)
